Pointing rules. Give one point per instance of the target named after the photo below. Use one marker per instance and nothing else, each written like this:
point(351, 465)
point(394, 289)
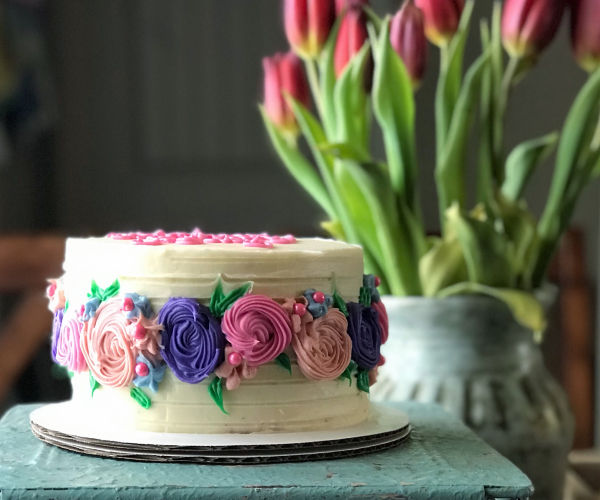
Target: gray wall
point(159, 125)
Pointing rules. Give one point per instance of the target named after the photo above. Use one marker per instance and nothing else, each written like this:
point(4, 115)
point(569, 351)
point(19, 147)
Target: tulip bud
point(407, 36)
point(283, 74)
point(351, 37)
point(585, 33)
point(528, 26)
point(341, 5)
point(307, 25)
point(442, 18)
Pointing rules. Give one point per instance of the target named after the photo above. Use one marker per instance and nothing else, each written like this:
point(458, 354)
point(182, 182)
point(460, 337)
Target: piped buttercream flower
point(68, 350)
point(106, 346)
point(318, 302)
point(234, 369)
point(145, 336)
point(297, 310)
point(365, 332)
point(258, 328)
point(136, 305)
point(56, 324)
point(382, 319)
point(148, 373)
point(192, 340)
point(55, 294)
point(323, 347)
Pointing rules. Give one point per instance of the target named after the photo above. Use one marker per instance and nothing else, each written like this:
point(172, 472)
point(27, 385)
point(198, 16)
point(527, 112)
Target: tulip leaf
point(449, 82)
point(350, 102)
point(327, 71)
point(442, 266)
point(314, 135)
point(487, 253)
point(579, 126)
point(394, 107)
point(300, 168)
point(383, 231)
point(525, 308)
point(522, 161)
point(451, 166)
point(485, 176)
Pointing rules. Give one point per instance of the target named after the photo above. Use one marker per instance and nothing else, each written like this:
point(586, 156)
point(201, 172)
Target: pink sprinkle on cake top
point(197, 237)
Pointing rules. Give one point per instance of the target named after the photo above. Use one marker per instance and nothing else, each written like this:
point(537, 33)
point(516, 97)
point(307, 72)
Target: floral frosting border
point(122, 342)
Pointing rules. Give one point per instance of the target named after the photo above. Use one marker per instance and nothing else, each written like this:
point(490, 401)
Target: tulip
point(528, 26)
point(585, 33)
point(284, 75)
point(442, 18)
point(407, 36)
point(351, 37)
point(341, 5)
point(307, 25)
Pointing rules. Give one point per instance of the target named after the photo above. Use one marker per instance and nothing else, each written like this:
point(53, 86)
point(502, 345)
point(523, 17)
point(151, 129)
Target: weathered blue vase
point(469, 355)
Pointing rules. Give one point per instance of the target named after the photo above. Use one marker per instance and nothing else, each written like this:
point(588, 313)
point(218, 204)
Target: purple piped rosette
point(192, 339)
point(56, 324)
point(365, 332)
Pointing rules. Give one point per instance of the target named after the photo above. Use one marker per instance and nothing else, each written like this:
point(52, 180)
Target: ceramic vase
point(469, 355)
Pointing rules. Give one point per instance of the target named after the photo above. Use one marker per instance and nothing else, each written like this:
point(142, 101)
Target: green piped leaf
point(365, 296)
point(103, 294)
point(219, 302)
point(94, 384)
point(215, 391)
point(347, 373)
point(283, 360)
point(362, 380)
point(141, 397)
point(339, 302)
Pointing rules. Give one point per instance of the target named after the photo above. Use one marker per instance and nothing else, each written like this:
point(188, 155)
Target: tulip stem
point(313, 81)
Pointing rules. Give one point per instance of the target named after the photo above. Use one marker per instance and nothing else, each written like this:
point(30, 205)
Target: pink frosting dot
point(140, 331)
point(319, 297)
point(299, 309)
point(141, 369)
point(235, 359)
point(127, 304)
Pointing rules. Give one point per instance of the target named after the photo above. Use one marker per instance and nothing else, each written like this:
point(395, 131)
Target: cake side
point(218, 336)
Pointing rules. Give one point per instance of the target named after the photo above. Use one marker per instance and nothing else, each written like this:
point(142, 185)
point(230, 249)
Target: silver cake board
point(386, 427)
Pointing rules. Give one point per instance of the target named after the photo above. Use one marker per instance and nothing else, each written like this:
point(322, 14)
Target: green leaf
point(328, 79)
point(578, 128)
point(283, 360)
point(350, 104)
point(522, 161)
point(347, 373)
point(219, 302)
point(94, 384)
point(216, 298)
point(334, 228)
point(449, 81)
point(442, 266)
point(525, 308)
point(362, 380)
point(452, 163)
point(111, 290)
point(301, 169)
point(215, 391)
point(314, 135)
point(340, 303)
point(365, 296)
point(394, 107)
point(141, 397)
point(487, 253)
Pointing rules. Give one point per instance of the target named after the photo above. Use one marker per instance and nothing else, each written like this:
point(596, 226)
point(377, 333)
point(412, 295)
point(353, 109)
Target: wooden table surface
point(441, 460)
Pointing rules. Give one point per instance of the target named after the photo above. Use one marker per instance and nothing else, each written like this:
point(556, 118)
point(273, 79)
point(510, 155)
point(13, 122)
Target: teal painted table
point(441, 460)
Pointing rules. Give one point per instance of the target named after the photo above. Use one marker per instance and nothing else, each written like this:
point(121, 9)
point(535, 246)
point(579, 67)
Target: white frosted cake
point(214, 333)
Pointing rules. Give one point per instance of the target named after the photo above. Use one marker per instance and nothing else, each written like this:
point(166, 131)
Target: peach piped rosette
point(107, 347)
point(323, 347)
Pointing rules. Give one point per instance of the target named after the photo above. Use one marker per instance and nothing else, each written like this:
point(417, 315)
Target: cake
point(215, 333)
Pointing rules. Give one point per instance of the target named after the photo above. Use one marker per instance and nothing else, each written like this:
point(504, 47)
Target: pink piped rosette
point(68, 351)
point(258, 328)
